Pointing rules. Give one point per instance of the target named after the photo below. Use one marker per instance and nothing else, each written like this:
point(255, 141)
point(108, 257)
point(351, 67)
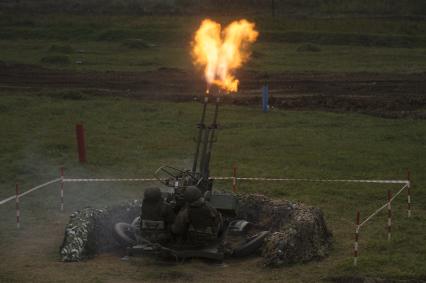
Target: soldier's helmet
point(152, 195)
point(192, 194)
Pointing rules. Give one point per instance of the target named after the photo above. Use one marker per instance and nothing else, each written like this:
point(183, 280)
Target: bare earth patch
point(387, 95)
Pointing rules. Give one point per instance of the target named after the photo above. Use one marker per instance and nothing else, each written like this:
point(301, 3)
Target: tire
point(124, 234)
point(248, 248)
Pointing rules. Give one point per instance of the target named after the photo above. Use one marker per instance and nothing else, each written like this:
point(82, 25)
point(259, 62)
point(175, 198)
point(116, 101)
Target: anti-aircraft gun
point(199, 175)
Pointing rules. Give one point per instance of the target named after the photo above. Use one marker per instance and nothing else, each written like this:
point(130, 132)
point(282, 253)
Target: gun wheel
point(251, 245)
point(124, 234)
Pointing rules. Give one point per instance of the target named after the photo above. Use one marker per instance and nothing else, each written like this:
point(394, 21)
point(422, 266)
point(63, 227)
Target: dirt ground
point(35, 258)
point(387, 95)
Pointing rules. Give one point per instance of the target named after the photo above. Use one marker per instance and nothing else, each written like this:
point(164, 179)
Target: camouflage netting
point(299, 232)
point(78, 239)
point(89, 230)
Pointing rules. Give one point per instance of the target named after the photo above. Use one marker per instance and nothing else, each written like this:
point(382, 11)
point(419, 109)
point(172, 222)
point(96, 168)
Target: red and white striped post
point(408, 193)
point(62, 188)
point(389, 215)
point(356, 238)
point(234, 178)
point(18, 210)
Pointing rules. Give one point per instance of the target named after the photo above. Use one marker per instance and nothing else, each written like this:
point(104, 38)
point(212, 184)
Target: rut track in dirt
point(390, 95)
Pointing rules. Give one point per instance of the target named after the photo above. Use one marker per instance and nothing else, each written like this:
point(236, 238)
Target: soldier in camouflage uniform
point(157, 217)
point(198, 223)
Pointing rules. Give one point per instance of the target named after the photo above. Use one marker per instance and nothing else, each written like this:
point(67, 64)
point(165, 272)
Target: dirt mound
point(298, 232)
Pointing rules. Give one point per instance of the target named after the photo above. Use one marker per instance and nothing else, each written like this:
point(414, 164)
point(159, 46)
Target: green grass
point(272, 57)
point(128, 138)
point(202, 7)
point(101, 43)
point(277, 58)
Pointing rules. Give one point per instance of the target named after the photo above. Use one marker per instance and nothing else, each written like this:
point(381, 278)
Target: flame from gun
point(222, 52)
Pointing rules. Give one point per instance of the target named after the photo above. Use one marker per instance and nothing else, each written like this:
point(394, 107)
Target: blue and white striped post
point(265, 98)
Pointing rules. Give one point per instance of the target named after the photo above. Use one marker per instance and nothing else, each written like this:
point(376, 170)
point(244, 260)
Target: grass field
point(141, 43)
point(388, 8)
point(128, 138)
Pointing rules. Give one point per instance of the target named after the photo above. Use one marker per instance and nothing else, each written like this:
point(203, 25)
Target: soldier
point(157, 217)
point(198, 223)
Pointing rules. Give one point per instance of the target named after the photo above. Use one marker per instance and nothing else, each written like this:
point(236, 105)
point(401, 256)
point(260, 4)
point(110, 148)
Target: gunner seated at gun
point(157, 217)
point(198, 223)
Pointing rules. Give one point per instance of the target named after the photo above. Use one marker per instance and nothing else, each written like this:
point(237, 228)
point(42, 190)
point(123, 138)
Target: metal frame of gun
point(206, 137)
point(200, 173)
